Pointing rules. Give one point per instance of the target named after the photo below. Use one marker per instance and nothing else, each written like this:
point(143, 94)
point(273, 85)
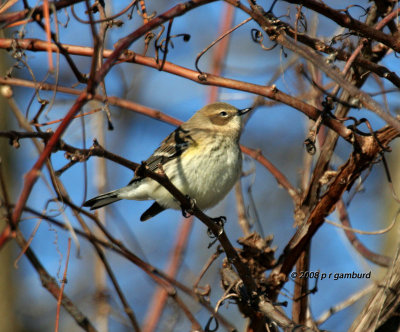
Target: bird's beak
point(244, 111)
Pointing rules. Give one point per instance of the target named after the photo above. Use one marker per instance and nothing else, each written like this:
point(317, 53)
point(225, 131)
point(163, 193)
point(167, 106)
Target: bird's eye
point(223, 114)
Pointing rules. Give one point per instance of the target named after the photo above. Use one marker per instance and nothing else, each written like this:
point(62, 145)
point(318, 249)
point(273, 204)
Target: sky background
point(278, 131)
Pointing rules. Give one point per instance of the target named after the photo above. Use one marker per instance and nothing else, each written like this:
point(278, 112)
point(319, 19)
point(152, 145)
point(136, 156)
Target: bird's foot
point(219, 222)
point(189, 212)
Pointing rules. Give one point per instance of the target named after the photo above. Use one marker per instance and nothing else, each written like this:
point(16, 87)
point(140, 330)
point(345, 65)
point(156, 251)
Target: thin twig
point(63, 282)
point(379, 259)
point(345, 304)
point(216, 41)
point(51, 285)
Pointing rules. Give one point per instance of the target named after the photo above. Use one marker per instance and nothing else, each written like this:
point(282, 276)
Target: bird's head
point(219, 117)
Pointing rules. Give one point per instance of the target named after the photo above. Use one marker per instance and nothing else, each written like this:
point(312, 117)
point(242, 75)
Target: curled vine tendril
point(163, 45)
point(258, 37)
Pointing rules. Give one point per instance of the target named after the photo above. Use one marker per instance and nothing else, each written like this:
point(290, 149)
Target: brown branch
point(130, 105)
point(278, 35)
point(113, 244)
point(33, 174)
point(48, 29)
point(353, 298)
point(301, 292)
point(105, 19)
point(199, 289)
point(37, 13)
point(346, 21)
point(98, 151)
point(63, 196)
point(267, 91)
point(125, 42)
point(311, 194)
point(128, 310)
point(365, 153)
point(334, 53)
point(51, 36)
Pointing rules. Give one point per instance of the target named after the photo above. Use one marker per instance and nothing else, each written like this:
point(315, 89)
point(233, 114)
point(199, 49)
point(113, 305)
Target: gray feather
point(102, 200)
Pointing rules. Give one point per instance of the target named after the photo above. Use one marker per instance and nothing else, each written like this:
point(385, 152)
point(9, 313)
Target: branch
point(96, 150)
point(51, 285)
point(270, 26)
point(364, 154)
point(378, 259)
point(124, 43)
point(37, 12)
point(337, 53)
point(270, 92)
point(186, 204)
point(130, 105)
point(117, 246)
point(280, 178)
point(381, 311)
point(346, 21)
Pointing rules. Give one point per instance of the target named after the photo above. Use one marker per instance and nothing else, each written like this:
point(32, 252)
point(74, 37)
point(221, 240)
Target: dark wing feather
point(171, 147)
point(152, 211)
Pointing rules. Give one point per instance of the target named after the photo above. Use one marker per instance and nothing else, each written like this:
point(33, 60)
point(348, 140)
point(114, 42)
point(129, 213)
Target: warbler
point(202, 158)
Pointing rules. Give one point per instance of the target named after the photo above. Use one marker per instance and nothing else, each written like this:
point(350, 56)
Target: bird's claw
point(189, 212)
point(219, 221)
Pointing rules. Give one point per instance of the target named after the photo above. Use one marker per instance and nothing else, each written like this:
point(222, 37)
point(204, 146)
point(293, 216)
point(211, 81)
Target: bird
point(201, 157)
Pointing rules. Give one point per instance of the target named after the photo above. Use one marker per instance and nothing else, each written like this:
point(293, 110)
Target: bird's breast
point(207, 172)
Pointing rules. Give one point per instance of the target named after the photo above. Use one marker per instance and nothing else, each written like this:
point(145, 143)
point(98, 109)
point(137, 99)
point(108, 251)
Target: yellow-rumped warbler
point(202, 158)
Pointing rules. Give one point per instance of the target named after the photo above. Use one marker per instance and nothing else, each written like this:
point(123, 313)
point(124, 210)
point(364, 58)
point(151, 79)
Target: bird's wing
point(153, 210)
point(171, 147)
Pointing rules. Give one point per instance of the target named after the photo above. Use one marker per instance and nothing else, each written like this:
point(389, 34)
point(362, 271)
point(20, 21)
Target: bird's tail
point(102, 200)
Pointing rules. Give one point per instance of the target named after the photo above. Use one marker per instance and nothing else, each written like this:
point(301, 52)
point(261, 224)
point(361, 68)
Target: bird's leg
point(188, 212)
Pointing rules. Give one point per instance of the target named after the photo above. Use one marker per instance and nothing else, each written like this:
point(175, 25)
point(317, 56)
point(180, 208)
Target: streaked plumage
point(202, 158)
